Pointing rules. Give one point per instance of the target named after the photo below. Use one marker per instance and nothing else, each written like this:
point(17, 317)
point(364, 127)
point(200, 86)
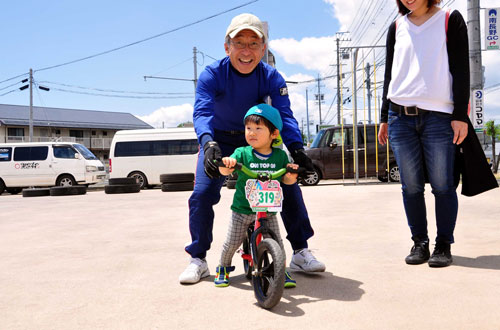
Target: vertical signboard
point(477, 114)
point(490, 27)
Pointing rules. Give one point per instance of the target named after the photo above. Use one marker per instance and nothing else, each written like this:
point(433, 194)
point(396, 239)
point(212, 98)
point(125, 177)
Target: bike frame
point(260, 227)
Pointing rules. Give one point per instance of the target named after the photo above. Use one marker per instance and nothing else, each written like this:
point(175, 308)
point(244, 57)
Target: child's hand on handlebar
point(229, 163)
point(290, 178)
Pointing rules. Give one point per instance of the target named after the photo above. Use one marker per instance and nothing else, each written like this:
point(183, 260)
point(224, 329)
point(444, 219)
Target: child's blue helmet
point(269, 112)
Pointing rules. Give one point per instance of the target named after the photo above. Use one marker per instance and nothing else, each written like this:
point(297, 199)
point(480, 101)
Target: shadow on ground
point(483, 262)
point(310, 288)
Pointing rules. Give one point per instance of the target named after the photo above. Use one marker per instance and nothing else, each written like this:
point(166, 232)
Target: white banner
point(477, 113)
point(490, 27)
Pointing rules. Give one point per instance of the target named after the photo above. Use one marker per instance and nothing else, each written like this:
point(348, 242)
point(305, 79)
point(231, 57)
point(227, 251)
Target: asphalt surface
point(99, 261)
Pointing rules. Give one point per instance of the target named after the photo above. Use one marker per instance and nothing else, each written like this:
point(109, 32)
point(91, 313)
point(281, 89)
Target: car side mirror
point(77, 156)
point(332, 145)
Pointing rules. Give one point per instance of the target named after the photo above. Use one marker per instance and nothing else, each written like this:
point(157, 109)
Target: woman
point(424, 116)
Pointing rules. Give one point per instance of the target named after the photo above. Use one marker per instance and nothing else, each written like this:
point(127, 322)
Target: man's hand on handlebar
point(299, 157)
point(212, 152)
point(291, 177)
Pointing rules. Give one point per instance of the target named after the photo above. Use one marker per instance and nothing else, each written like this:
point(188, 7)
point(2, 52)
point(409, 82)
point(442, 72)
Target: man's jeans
point(425, 143)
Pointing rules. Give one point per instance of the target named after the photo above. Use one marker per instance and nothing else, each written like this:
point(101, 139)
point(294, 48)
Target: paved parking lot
point(100, 261)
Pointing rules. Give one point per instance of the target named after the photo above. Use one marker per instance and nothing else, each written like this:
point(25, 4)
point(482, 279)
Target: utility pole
point(31, 106)
point(355, 119)
point(307, 116)
point(369, 92)
point(474, 29)
point(338, 76)
point(319, 98)
point(476, 67)
point(195, 69)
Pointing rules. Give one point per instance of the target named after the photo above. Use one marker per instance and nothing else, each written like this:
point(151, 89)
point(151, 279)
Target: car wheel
point(65, 180)
point(311, 179)
point(2, 186)
point(141, 179)
point(14, 191)
point(394, 172)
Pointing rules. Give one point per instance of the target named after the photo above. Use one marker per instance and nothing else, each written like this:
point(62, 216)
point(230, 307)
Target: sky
point(156, 38)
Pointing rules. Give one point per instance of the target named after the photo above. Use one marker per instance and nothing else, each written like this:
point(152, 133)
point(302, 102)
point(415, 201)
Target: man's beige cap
point(245, 22)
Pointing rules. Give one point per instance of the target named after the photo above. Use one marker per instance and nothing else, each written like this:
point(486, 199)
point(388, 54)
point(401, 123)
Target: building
point(94, 129)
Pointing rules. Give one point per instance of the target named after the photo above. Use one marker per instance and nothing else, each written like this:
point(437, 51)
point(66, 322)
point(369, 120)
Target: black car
point(326, 154)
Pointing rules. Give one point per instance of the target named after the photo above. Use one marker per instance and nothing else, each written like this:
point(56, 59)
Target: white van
point(45, 164)
point(145, 154)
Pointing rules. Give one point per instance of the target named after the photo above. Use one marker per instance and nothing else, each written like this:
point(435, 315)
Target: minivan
point(326, 155)
point(145, 154)
point(45, 164)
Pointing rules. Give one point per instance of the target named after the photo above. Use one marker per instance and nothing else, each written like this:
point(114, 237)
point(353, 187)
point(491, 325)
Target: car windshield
point(86, 153)
point(317, 139)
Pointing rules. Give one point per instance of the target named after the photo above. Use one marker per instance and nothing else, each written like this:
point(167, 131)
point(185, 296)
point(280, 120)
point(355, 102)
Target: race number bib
point(264, 196)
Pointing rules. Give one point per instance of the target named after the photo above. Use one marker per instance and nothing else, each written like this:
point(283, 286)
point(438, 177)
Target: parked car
point(145, 154)
point(326, 155)
point(45, 164)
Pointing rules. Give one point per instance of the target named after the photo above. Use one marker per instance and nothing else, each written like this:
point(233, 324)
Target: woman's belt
point(409, 111)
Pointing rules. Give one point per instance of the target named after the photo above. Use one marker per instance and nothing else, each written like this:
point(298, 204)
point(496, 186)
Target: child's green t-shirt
point(247, 157)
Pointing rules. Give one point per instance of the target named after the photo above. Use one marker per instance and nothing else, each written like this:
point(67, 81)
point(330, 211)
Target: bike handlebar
point(260, 176)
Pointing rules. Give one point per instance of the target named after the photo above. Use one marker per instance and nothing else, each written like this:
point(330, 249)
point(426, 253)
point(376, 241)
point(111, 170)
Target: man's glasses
point(242, 45)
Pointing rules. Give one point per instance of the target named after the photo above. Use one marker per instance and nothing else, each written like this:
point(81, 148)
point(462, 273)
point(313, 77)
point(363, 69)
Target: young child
point(262, 126)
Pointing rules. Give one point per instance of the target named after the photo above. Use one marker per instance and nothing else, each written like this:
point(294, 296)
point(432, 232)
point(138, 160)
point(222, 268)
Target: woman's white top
point(420, 72)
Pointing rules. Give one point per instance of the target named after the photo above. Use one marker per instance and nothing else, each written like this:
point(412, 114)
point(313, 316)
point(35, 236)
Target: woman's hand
point(383, 133)
point(459, 130)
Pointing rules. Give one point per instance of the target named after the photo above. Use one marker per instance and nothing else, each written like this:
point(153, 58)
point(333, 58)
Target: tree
point(493, 131)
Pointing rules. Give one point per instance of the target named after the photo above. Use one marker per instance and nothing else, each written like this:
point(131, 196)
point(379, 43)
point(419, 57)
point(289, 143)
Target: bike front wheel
point(269, 276)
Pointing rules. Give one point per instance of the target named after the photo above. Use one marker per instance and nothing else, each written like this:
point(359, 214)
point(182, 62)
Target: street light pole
point(31, 106)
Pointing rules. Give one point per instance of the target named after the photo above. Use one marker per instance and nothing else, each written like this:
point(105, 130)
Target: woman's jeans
point(425, 143)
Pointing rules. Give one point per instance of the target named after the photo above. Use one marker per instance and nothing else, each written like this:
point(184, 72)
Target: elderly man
point(226, 90)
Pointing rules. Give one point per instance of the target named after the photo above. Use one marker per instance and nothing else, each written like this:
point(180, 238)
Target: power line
point(1, 89)
point(121, 96)
point(147, 39)
point(21, 75)
point(115, 91)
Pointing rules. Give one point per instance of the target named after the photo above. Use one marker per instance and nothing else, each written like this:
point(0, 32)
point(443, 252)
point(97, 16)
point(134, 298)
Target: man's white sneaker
point(305, 261)
point(194, 272)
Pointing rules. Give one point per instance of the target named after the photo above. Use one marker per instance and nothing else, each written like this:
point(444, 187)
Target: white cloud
point(311, 53)
point(169, 116)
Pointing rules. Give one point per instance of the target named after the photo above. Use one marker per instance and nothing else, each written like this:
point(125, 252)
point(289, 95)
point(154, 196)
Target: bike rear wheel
point(269, 276)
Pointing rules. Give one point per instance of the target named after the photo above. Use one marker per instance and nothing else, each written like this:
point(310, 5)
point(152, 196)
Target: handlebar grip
point(219, 163)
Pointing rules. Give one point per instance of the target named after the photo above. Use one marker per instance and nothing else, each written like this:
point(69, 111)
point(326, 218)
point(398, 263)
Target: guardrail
point(91, 143)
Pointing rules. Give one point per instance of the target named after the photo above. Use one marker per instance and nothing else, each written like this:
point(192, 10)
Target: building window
point(94, 133)
point(75, 133)
point(14, 131)
point(104, 133)
point(58, 132)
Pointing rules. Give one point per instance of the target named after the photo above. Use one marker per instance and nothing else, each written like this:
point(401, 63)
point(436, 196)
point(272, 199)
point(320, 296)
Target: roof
point(18, 115)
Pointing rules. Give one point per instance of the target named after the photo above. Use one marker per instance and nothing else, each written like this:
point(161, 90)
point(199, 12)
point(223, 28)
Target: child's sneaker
point(289, 282)
point(222, 276)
